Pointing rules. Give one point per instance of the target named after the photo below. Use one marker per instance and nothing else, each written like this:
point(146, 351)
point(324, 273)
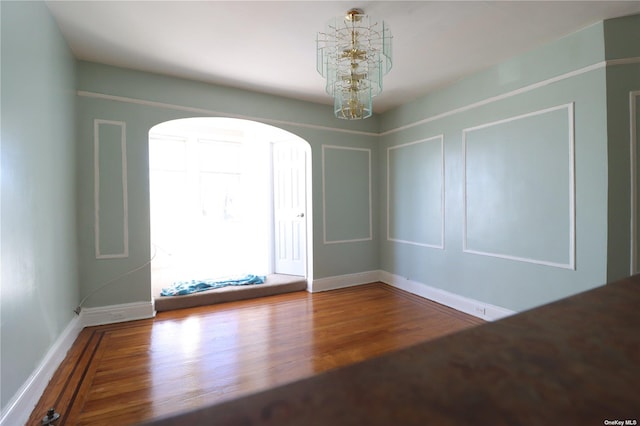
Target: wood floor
point(137, 371)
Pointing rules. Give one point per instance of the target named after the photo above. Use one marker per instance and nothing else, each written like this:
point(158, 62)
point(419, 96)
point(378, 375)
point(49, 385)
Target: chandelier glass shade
point(354, 55)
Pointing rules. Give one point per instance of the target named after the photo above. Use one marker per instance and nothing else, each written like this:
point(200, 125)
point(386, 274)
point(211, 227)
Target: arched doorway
point(228, 197)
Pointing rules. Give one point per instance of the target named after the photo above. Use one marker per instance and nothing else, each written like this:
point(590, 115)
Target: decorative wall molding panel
point(415, 192)
point(346, 177)
point(513, 209)
point(110, 188)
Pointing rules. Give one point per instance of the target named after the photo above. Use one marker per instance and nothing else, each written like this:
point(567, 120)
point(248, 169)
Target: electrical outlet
point(118, 315)
point(481, 310)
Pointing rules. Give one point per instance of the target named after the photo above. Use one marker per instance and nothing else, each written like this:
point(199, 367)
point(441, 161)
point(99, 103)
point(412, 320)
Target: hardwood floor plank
point(137, 371)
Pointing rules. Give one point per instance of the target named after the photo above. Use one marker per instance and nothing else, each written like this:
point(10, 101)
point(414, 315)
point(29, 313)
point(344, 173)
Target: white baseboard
point(479, 309)
point(116, 313)
point(21, 406)
point(342, 281)
point(467, 305)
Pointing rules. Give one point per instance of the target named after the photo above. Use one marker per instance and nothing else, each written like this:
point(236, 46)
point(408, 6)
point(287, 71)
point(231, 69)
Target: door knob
point(300, 215)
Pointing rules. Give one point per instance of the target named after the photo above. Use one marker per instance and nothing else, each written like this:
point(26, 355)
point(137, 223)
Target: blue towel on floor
point(180, 288)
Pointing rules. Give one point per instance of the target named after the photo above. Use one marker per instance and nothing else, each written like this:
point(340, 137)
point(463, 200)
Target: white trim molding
point(116, 313)
point(19, 408)
point(324, 202)
point(210, 112)
point(467, 305)
point(524, 89)
point(343, 281)
point(623, 61)
point(442, 192)
point(460, 303)
point(571, 264)
point(505, 95)
point(633, 151)
point(96, 188)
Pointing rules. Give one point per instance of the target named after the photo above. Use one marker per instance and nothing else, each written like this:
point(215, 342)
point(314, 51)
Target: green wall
point(622, 41)
point(581, 49)
point(525, 181)
point(128, 103)
point(39, 258)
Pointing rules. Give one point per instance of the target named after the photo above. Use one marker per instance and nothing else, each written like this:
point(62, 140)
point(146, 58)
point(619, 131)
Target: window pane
point(219, 196)
point(221, 157)
point(167, 154)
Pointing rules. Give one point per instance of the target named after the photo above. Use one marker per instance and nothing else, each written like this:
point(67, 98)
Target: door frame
point(290, 136)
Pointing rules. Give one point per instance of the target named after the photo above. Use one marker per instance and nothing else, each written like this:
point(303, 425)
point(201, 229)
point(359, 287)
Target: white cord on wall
point(103, 285)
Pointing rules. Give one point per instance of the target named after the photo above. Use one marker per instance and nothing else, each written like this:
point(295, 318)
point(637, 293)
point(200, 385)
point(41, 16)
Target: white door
point(289, 201)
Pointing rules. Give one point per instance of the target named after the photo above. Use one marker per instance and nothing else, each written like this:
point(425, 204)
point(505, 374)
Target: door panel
point(289, 202)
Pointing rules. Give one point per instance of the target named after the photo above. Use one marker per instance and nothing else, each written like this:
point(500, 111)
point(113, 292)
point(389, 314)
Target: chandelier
point(353, 55)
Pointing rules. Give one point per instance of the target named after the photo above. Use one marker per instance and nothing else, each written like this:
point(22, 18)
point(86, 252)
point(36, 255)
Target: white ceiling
point(269, 46)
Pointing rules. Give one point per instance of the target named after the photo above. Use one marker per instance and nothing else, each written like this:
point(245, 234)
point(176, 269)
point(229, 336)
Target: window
point(210, 208)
